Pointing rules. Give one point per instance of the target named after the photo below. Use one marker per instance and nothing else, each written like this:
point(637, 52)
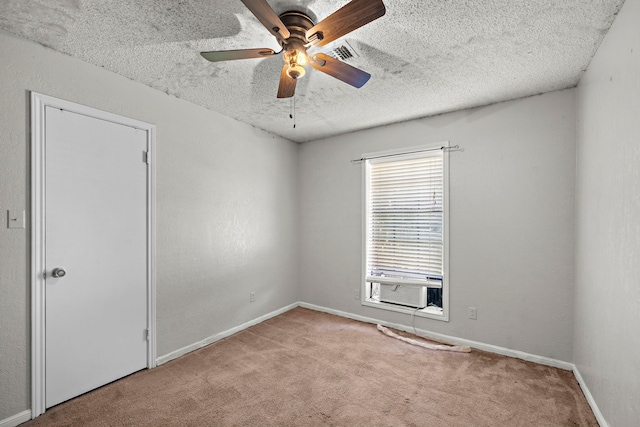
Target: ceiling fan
point(296, 33)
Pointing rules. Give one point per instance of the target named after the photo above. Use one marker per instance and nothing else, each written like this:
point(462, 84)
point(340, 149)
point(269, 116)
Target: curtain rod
point(443, 148)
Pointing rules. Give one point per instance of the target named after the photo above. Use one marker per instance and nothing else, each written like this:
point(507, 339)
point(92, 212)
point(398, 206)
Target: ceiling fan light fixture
point(295, 56)
point(295, 71)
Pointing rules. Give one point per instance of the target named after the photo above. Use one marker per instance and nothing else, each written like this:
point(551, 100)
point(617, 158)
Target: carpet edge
point(224, 334)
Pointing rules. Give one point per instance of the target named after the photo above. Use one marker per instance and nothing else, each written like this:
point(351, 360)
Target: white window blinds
point(405, 213)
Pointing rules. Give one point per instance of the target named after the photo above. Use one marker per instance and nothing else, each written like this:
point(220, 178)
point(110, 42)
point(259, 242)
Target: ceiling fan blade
point(268, 18)
point(287, 86)
point(351, 16)
point(230, 55)
point(340, 70)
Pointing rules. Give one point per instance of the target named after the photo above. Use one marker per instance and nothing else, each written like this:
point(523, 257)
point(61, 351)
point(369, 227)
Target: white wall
point(511, 221)
point(607, 310)
point(226, 202)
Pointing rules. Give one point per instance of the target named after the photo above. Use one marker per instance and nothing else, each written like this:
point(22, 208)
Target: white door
point(96, 238)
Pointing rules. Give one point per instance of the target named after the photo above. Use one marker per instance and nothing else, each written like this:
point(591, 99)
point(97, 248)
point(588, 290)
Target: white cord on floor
point(413, 320)
point(456, 348)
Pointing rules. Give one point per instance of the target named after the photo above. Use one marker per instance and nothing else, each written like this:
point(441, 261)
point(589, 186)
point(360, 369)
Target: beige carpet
point(306, 368)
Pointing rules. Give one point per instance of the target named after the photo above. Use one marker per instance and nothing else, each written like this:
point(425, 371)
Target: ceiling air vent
point(342, 51)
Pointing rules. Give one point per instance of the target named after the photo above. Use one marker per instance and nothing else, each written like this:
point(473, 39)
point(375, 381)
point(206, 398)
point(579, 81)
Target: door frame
point(38, 211)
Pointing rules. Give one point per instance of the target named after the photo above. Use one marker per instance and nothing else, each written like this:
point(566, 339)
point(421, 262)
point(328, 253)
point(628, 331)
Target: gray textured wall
point(607, 310)
point(511, 221)
point(226, 208)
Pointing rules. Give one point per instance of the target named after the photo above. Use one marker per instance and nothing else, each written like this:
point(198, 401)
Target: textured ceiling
point(425, 57)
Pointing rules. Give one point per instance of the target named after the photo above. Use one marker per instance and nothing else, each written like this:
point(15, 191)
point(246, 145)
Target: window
point(406, 234)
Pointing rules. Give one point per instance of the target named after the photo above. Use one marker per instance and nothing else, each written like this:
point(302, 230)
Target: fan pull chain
point(292, 110)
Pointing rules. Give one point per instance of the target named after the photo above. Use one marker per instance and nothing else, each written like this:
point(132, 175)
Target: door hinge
point(146, 334)
point(145, 157)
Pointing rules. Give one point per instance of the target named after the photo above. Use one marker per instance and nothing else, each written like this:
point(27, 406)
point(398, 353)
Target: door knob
point(58, 272)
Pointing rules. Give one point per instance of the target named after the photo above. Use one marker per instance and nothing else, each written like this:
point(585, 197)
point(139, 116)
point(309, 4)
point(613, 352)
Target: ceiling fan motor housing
point(297, 23)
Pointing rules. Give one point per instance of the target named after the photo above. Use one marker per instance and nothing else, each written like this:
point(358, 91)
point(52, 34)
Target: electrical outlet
point(356, 294)
point(252, 296)
point(473, 313)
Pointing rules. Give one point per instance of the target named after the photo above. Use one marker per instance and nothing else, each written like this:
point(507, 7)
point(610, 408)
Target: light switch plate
point(15, 219)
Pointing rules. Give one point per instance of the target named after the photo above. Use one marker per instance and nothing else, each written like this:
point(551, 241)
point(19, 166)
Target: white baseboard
point(449, 339)
point(587, 394)
point(421, 332)
point(17, 419)
point(217, 337)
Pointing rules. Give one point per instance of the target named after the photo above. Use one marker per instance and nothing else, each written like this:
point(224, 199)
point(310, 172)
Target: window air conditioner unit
point(412, 296)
